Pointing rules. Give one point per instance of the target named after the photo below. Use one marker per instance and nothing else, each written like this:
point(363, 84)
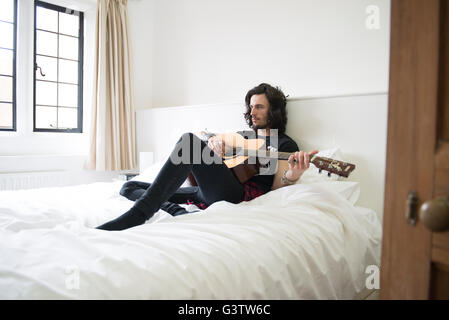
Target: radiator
point(41, 171)
point(34, 179)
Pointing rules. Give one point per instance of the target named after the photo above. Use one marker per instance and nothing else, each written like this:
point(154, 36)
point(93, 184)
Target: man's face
point(259, 111)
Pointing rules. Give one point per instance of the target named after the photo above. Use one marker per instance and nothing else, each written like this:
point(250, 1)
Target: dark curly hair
point(277, 113)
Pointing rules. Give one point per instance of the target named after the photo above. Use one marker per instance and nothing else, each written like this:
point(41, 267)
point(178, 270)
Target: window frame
point(79, 128)
point(14, 74)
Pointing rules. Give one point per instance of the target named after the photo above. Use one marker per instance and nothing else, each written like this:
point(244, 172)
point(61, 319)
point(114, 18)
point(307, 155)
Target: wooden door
point(415, 260)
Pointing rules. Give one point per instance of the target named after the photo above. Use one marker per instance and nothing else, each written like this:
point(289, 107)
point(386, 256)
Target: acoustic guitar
point(246, 156)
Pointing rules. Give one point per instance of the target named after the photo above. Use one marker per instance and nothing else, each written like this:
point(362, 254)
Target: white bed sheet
point(298, 242)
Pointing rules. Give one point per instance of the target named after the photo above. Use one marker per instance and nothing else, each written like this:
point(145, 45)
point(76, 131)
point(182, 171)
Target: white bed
point(312, 240)
point(306, 241)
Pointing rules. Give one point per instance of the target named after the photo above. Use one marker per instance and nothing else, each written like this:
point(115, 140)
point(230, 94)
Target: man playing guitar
point(266, 115)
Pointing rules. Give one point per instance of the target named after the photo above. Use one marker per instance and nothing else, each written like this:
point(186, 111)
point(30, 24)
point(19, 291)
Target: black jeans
point(133, 190)
point(215, 180)
point(191, 155)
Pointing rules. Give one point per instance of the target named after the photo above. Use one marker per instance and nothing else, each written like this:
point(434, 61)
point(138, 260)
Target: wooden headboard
point(355, 123)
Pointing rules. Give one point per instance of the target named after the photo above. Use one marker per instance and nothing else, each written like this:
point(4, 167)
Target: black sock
point(133, 217)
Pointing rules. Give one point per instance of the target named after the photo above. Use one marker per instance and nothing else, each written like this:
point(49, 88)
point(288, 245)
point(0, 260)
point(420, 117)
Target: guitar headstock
point(340, 168)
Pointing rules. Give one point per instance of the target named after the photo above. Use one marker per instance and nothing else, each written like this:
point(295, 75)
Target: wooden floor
point(373, 296)
point(367, 294)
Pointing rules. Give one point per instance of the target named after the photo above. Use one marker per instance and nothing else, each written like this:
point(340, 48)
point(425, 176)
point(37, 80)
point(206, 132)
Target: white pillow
point(150, 173)
point(312, 174)
point(350, 190)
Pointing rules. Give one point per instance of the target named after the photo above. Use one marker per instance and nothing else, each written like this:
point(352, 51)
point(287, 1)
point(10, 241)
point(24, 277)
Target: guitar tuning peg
point(319, 170)
point(329, 174)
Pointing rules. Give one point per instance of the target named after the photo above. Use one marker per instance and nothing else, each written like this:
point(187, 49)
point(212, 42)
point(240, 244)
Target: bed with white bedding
point(305, 241)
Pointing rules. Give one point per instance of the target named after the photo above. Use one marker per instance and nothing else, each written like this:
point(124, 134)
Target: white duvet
point(298, 242)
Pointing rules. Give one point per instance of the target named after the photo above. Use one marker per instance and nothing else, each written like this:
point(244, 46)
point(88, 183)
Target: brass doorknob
point(435, 214)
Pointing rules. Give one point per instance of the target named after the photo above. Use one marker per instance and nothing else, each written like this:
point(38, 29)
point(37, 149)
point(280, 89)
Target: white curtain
point(112, 140)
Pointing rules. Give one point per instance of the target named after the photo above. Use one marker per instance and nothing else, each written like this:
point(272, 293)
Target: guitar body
point(243, 170)
point(232, 162)
point(235, 140)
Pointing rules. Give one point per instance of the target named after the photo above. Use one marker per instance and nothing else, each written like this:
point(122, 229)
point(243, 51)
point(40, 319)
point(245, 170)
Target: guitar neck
point(340, 168)
point(282, 155)
point(286, 155)
point(268, 154)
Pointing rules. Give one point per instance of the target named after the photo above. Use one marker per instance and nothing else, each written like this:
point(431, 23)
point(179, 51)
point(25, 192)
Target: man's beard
point(256, 127)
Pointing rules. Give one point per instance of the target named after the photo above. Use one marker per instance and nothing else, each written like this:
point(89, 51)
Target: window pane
point(68, 71)
point(46, 19)
point(46, 117)
point(68, 24)
point(6, 116)
point(6, 89)
point(68, 95)
point(46, 93)
point(56, 103)
point(68, 47)
point(7, 10)
point(6, 61)
point(48, 67)
point(46, 43)
point(68, 118)
point(6, 35)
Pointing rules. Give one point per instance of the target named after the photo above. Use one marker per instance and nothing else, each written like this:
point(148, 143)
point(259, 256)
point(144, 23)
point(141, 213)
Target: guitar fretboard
point(340, 168)
point(262, 154)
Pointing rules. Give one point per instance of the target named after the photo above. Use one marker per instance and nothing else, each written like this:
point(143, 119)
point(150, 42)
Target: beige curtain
point(112, 140)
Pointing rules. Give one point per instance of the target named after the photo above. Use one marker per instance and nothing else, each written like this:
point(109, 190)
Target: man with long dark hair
point(266, 115)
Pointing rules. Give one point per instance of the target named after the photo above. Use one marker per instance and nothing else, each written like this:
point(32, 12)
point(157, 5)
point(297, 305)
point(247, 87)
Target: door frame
point(411, 145)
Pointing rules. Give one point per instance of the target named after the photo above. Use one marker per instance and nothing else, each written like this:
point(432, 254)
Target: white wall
point(210, 51)
point(141, 29)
